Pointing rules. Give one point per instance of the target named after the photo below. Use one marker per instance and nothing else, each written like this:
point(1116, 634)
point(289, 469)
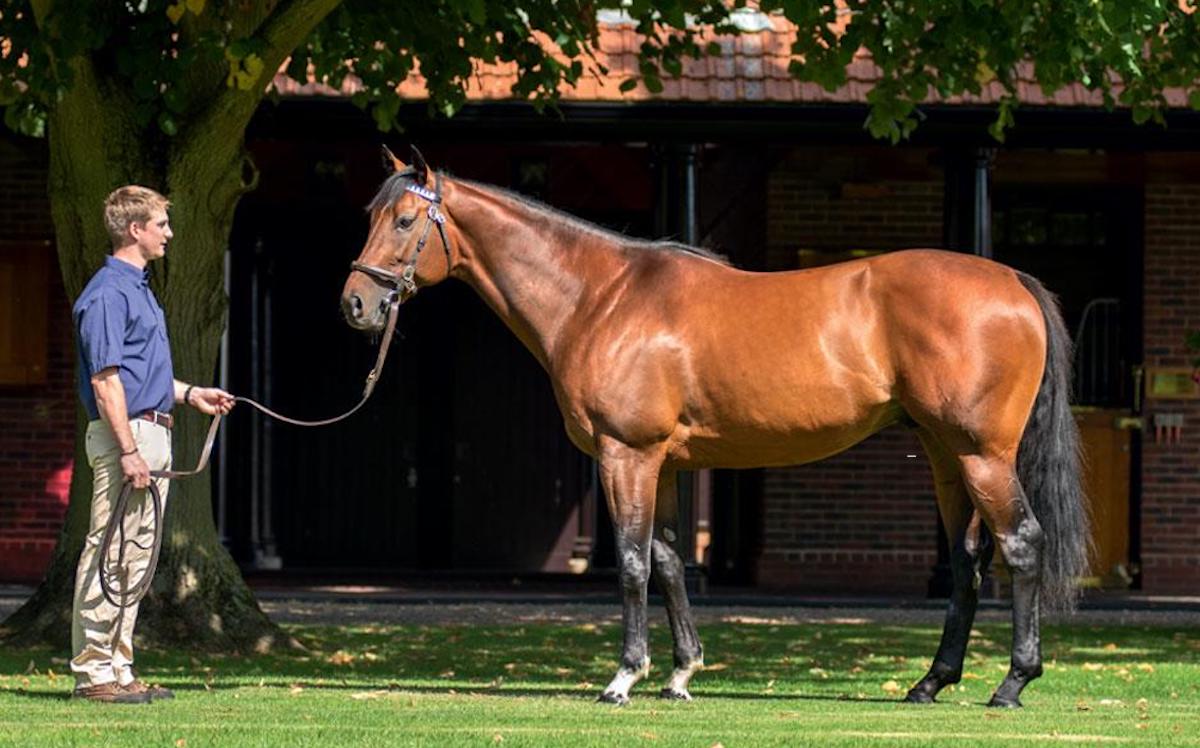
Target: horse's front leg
point(630, 477)
point(669, 576)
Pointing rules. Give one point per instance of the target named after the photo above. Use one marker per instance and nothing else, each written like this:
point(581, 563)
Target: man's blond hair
point(130, 204)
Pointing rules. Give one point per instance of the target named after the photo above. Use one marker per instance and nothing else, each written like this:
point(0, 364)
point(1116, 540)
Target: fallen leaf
point(364, 695)
point(716, 666)
point(497, 738)
point(1146, 667)
point(341, 657)
point(1092, 666)
point(295, 689)
point(891, 686)
point(1082, 706)
point(181, 743)
point(1110, 647)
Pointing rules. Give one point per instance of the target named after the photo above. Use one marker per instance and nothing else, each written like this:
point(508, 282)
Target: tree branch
point(41, 9)
point(282, 31)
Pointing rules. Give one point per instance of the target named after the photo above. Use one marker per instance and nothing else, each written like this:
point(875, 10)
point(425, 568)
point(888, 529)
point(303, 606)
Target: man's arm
point(110, 401)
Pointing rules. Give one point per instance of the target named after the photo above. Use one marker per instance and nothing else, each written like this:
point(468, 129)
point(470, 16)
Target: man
point(128, 388)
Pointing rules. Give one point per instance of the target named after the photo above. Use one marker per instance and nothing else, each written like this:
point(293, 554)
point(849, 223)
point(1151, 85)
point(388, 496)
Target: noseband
point(404, 283)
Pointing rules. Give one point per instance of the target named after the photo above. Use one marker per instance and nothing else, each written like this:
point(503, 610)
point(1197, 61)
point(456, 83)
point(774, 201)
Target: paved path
point(325, 612)
point(371, 605)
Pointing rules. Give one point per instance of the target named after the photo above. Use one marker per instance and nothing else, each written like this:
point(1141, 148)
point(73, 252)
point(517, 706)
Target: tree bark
point(199, 599)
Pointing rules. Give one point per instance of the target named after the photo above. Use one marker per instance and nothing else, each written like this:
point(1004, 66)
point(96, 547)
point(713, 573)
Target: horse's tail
point(1049, 465)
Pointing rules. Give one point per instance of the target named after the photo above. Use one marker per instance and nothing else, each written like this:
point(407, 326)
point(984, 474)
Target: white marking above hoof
point(608, 697)
point(617, 692)
point(680, 677)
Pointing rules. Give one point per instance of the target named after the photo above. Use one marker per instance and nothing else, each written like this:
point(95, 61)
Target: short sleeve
point(102, 330)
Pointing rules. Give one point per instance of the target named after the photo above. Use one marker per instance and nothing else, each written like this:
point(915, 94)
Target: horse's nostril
point(354, 306)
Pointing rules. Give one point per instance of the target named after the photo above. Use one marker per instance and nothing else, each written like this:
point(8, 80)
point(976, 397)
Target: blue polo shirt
point(118, 322)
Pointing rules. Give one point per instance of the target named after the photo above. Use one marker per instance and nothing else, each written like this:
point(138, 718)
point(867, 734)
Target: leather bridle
point(404, 284)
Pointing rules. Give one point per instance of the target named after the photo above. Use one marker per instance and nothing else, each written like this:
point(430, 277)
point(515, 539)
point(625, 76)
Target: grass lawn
point(767, 684)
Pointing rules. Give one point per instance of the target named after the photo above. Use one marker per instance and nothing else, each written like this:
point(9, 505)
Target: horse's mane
point(393, 188)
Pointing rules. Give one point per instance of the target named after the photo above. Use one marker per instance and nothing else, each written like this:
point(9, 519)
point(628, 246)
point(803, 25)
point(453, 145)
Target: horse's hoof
point(611, 697)
point(674, 695)
point(918, 697)
point(1003, 703)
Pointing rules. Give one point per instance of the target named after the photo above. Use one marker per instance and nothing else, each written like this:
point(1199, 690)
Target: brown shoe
point(156, 693)
point(110, 693)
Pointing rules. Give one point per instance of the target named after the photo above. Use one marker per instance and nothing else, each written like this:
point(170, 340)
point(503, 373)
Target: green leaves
point(25, 118)
point(169, 56)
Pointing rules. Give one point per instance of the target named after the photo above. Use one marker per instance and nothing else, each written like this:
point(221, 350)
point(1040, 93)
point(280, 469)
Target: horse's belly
point(808, 437)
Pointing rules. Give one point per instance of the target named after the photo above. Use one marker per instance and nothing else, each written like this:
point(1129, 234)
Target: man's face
point(153, 235)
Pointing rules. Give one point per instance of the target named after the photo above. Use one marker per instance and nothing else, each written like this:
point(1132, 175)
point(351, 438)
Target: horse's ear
point(420, 166)
point(390, 162)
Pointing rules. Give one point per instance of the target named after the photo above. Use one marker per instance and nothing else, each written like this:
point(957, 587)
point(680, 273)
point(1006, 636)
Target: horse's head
point(407, 246)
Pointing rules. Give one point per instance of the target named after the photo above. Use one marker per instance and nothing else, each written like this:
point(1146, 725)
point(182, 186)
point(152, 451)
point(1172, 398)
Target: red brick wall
point(1171, 472)
point(37, 424)
point(864, 521)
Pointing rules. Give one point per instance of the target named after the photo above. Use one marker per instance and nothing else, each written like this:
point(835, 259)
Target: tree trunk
point(199, 599)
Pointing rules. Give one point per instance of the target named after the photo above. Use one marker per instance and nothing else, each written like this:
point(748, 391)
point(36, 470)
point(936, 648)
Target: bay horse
point(664, 358)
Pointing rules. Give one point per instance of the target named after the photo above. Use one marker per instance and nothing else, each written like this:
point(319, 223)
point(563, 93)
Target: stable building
point(461, 465)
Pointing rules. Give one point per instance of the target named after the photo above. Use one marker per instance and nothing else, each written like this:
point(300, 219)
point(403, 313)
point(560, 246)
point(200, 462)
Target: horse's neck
point(526, 266)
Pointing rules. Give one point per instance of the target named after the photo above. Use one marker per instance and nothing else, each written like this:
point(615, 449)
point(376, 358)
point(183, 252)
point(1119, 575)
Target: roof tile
point(751, 67)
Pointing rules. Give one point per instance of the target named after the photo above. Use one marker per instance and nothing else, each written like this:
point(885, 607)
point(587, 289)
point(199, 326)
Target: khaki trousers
point(102, 633)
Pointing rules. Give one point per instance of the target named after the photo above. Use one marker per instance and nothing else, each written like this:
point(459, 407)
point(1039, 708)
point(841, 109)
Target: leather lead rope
point(128, 595)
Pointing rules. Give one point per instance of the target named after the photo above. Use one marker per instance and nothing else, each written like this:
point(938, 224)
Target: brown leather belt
point(162, 419)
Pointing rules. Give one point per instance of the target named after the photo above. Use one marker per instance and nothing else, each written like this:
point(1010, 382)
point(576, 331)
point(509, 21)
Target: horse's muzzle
point(361, 317)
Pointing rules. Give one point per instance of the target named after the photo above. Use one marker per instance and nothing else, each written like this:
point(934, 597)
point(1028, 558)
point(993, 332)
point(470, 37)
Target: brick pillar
point(1170, 536)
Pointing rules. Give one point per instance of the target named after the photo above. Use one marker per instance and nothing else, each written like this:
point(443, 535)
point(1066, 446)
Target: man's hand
point(211, 400)
point(135, 470)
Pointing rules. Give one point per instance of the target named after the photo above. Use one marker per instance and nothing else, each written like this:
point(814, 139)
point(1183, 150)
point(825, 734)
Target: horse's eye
point(404, 223)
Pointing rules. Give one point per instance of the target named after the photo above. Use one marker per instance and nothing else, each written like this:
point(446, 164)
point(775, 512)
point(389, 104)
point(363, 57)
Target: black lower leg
point(669, 577)
point(1023, 552)
point(635, 574)
point(960, 616)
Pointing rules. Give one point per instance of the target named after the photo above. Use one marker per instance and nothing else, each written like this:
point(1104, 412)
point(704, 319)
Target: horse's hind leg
point(970, 552)
point(998, 497)
point(630, 478)
point(668, 575)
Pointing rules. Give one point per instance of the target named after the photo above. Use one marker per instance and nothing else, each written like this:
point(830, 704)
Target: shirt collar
point(132, 272)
